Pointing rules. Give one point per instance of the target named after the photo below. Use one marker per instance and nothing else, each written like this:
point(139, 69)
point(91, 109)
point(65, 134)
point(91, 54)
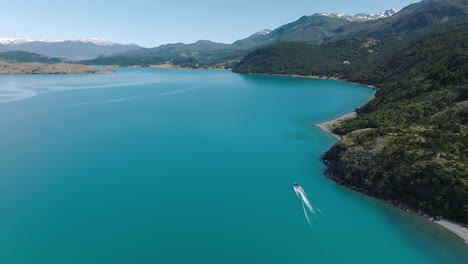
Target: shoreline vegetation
point(456, 228)
point(167, 67)
point(42, 68)
point(177, 67)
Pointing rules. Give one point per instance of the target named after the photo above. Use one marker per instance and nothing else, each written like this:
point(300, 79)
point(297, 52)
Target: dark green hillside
point(363, 44)
point(410, 143)
point(25, 56)
point(341, 59)
point(201, 54)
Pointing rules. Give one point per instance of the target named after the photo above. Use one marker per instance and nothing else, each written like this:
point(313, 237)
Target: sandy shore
point(325, 126)
point(175, 67)
point(455, 228)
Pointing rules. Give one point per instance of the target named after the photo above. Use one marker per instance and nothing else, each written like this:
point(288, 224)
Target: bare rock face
point(40, 68)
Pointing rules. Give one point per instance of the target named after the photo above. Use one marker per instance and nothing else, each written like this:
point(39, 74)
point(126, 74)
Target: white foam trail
point(178, 91)
point(305, 213)
point(300, 193)
point(305, 200)
point(97, 86)
point(297, 193)
point(100, 102)
point(320, 212)
point(20, 93)
point(15, 94)
point(129, 98)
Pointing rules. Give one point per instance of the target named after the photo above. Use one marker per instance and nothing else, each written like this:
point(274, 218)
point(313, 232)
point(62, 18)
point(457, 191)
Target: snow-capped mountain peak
point(97, 41)
point(6, 41)
point(16, 41)
point(362, 16)
point(263, 32)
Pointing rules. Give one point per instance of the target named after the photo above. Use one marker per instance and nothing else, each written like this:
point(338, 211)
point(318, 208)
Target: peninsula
point(42, 68)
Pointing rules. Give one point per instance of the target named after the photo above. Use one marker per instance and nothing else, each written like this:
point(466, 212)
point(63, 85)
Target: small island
point(42, 68)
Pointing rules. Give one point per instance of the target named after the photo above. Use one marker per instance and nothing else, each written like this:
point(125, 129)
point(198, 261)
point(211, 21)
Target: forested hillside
point(409, 145)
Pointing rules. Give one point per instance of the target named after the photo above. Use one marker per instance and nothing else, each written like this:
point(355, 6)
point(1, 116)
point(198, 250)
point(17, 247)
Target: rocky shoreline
point(456, 228)
point(332, 173)
point(41, 68)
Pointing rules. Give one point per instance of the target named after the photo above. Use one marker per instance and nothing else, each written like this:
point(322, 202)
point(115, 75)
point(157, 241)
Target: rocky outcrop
point(382, 166)
point(41, 68)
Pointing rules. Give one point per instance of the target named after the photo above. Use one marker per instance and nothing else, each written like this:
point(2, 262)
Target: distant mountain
point(316, 29)
point(199, 54)
point(181, 49)
point(312, 29)
point(70, 49)
point(26, 56)
point(3, 48)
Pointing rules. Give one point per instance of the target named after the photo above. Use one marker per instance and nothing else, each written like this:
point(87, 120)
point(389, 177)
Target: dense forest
point(410, 143)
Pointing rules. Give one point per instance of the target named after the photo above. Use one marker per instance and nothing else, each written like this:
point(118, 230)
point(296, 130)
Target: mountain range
point(314, 29)
point(68, 49)
point(317, 28)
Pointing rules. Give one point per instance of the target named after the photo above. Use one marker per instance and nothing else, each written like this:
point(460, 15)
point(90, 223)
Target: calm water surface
point(166, 166)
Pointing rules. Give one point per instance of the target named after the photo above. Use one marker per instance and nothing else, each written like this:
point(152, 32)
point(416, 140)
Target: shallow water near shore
point(181, 166)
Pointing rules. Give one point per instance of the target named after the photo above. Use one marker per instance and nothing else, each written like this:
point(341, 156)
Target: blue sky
point(153, 22)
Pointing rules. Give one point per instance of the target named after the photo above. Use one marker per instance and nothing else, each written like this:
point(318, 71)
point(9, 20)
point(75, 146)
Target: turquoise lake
point(179, 166)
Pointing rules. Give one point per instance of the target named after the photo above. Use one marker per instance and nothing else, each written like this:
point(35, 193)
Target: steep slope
point(409, 145)
point(341, 59)
point(25, 56)
point(312, 29)
point(380, 39)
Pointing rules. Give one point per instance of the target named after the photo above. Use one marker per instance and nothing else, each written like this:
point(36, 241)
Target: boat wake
point(306, 204)
point(123, 99)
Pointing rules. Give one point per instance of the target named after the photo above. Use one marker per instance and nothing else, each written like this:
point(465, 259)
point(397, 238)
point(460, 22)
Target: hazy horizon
point(153, 23)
